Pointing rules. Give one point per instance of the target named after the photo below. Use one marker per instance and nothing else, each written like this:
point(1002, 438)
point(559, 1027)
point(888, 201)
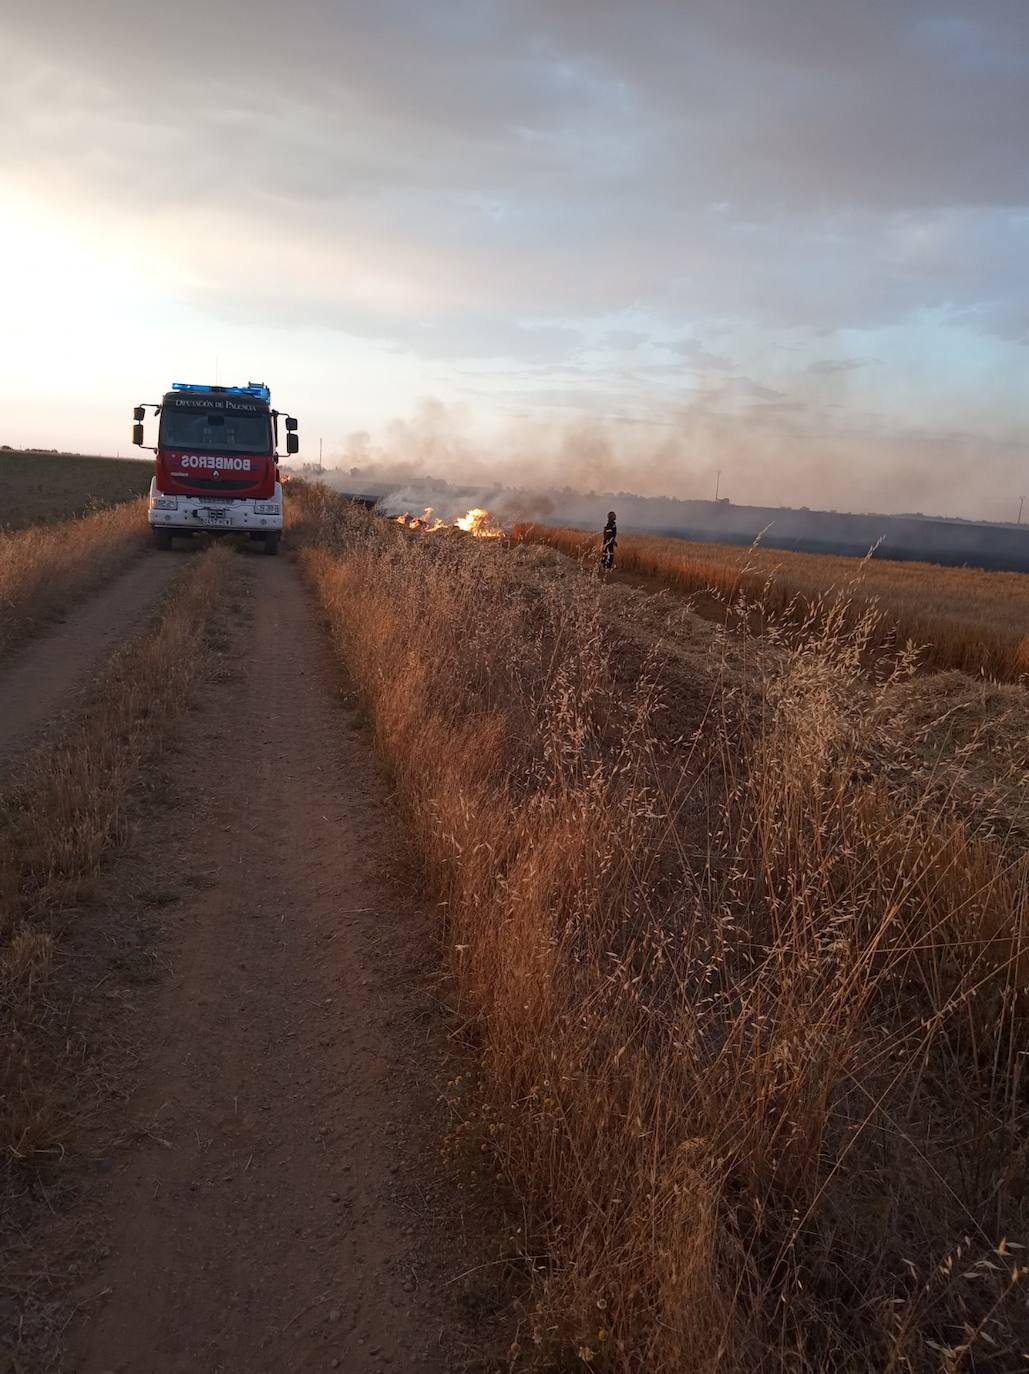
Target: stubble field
point(47, 487)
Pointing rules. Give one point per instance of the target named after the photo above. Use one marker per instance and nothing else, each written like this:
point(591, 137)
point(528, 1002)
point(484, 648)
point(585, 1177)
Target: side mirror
point(137, 434)
point(139, 413)
point(292, 441)
point(291, 424)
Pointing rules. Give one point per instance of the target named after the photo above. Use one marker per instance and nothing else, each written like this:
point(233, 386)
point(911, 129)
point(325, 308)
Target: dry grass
point(45, 569)
point(751, 1007)
point(43, 487)
point(62, 814)
point(963, 618)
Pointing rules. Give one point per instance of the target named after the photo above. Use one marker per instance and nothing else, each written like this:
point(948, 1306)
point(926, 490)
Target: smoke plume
point(749, 447)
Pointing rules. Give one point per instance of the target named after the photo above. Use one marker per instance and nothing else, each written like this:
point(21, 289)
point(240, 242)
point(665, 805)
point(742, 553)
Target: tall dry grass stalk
point(751, 1007)
point(61, 814)
point(45, 568)
point(963, 618)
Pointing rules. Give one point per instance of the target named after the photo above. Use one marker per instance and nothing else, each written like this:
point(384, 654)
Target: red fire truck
point(216, 468)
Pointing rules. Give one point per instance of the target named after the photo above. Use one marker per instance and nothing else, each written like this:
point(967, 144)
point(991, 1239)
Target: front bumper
point(193, 514)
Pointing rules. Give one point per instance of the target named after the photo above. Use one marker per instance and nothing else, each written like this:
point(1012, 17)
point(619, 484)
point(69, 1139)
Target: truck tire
point(271, 543)
point(162, 539)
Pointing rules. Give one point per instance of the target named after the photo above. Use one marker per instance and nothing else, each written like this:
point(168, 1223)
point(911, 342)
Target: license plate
point(216, 516)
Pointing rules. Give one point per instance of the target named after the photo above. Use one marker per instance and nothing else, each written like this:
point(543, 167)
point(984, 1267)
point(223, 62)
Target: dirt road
point(43, 679)
point(275, 1200)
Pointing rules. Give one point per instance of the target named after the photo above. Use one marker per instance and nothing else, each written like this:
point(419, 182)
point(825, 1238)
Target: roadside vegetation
point(963, 618)
point(44, 488)
point(742, 933)
point(45, 569)
point(60, 816)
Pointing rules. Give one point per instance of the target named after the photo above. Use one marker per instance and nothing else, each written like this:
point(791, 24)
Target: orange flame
point(480, 523)
point(418, 522)
point(476, 522)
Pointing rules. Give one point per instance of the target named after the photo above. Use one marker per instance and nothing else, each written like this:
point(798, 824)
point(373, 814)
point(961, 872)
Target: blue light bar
point(257, 389)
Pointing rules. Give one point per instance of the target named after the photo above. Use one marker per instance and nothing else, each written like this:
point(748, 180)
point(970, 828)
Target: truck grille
point(215, 484)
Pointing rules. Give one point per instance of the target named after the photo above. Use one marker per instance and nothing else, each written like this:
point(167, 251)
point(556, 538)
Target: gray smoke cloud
point(773, 521)
point(752, 448)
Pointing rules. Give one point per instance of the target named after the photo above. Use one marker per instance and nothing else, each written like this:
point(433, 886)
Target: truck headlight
point(266, 508)
point(164, 503)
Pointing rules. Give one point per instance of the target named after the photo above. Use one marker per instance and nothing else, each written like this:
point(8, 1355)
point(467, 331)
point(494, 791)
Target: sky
point(781, 246)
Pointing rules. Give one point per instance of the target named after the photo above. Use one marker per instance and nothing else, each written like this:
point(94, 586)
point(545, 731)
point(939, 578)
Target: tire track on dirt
point(41, 681)
point(283, 1211)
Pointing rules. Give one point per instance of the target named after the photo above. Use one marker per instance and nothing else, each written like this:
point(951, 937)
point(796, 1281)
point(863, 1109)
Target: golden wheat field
point(45, 568)
point(960, 618)
point(742, 934)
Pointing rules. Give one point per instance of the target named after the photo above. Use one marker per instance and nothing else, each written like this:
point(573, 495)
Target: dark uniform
point(607, 552)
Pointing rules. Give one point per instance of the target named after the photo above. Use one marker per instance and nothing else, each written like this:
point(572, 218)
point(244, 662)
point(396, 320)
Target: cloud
point(624, 340)
point(745, 389)
point(544, 160)
point(827, 367)
point(697, 356)
point(632, 212)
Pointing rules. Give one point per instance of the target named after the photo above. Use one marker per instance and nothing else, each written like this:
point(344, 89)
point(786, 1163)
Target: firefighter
point(607, 552)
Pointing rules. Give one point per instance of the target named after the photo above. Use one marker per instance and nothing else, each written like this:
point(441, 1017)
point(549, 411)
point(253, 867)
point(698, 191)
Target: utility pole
point(320, 468)
point(718, 482)
point(1021, 503)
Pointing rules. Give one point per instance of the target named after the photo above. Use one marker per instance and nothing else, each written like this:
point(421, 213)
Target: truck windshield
point(217, 432)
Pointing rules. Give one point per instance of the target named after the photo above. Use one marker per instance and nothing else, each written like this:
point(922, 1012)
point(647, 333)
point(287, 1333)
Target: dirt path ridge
point(42, 680)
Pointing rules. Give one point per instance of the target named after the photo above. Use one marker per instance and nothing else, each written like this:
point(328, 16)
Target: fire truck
point(216, 468)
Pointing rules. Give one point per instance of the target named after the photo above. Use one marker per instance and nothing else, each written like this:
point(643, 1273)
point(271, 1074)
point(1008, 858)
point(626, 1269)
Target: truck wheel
point(162, 539)
point(271, 543)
